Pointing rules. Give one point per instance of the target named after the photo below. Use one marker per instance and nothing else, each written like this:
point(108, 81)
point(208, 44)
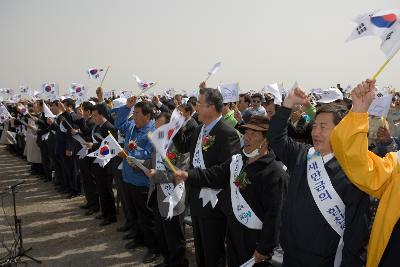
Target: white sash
point(172, 193)
point(327, 199)
point(206, 194)
point(243, 212)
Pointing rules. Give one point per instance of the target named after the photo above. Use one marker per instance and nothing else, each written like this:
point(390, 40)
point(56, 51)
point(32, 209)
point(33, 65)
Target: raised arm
point(284, 147)
point(121, 122)
point(369, 172)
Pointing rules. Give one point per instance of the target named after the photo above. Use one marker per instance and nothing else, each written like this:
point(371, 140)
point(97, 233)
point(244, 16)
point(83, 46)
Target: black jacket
point(226, 144)
point(265, 195)
point(86, 127)
point(305, 234)
point(298, 133)
point(103, 131)
point(43, 128)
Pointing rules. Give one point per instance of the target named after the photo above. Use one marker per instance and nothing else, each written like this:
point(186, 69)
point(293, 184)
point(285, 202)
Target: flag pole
point(166, 159)
point(105, 74)
point(376, 76)
point(124, 154)
point(384, 65)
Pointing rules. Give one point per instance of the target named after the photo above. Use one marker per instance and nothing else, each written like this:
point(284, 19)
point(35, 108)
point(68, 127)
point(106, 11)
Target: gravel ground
point(56, 229)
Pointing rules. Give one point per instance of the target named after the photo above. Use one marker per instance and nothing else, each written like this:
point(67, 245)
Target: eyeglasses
point(256, 101)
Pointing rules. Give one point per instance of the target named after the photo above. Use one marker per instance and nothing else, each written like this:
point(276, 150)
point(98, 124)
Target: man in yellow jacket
point(379, 177)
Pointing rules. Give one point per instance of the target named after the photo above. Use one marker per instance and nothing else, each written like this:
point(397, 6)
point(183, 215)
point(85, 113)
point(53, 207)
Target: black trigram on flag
point(361, 29)
point(389, 35)
point(160, 135)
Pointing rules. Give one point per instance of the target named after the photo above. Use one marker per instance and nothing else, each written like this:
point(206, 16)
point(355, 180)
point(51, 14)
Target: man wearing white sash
point(211, 144)
point(255, 187)
point(324, 218)
point(170, 205)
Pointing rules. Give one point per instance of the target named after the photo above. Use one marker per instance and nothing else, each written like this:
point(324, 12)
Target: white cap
point(329, 95)
point(119, 102)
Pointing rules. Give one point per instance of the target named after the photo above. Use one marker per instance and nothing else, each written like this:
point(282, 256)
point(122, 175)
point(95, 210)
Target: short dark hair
point(87, 106)
point(338, 111)
point(69, 102)
point(146, 107)
point(187, 108)
point(213, 97)
point(192, 100)
point(257, 95)
point(101, 109)
point(166, 115)
point(246, 97)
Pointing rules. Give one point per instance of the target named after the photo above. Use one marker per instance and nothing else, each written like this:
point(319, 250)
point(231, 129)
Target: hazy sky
point(175, 42)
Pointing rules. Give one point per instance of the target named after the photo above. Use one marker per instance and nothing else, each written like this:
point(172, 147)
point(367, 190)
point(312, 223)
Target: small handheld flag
point(94, 73)
point(386, 25)
point(144, 85)
point(213, 70)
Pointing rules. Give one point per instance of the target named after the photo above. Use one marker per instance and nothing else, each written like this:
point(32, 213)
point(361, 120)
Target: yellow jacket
point(378, 177)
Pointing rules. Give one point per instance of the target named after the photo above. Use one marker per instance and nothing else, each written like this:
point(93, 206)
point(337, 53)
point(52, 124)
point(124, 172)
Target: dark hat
point(257, 123)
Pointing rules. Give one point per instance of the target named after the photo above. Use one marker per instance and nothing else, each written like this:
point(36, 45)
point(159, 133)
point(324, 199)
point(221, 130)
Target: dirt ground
point(56, 229)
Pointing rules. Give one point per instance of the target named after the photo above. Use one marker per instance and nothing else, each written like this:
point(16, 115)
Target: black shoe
point(150, 256)
point(84, 207)
point(132, 245)
point(160, 265)
point(124, 228)
point(108, 221)
point(130, 235)
point(99, 217)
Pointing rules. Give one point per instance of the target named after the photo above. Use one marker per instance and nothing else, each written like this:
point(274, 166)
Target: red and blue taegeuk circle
point(384, 21)
point(104, 150)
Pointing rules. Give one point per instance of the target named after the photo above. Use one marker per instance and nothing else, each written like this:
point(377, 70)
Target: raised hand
point(296, 97)
point(155, 100)
point(202, 85)
point(383, 135)
point(131, 101)
point(363, 95)
point(100, 94)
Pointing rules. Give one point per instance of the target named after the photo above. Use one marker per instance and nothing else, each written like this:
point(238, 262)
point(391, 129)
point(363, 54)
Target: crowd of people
point(255, 174)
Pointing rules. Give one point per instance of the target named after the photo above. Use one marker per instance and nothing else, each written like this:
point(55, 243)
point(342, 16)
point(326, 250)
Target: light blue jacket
point(143, 150)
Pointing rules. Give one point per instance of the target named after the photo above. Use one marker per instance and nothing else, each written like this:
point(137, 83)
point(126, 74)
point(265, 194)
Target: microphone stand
point(20, 251)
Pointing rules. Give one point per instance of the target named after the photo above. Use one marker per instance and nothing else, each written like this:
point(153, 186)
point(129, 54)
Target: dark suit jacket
point(305, 231)
point(265, 195)
point(226, 144)
point(103, 132)
point(298, 133)
point(43, 128)
point(86, 127)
